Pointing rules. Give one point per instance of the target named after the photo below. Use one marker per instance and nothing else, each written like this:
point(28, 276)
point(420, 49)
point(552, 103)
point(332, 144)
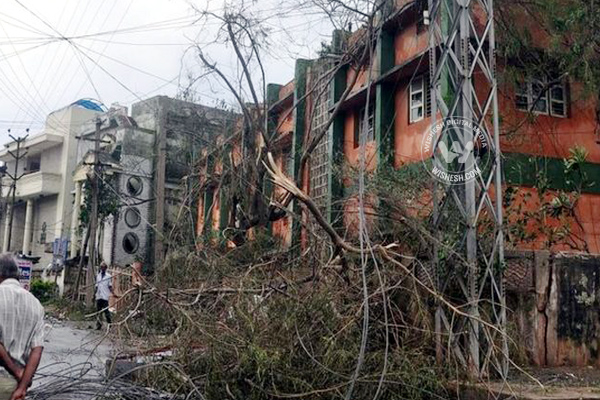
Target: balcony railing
point(34, 184)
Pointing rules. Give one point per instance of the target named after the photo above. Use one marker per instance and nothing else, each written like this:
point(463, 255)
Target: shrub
point(43, 291)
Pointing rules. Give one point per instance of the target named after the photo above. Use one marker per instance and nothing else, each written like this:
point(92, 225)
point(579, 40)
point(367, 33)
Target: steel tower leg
point(468, 255)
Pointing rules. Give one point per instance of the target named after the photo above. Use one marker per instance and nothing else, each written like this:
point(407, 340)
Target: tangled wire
point(82, 381)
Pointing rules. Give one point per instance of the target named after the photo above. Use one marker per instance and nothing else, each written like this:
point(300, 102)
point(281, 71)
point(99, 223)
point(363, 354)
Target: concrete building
point(42, 211)
point(146, 157)
point(126, 159)
point(547, 123)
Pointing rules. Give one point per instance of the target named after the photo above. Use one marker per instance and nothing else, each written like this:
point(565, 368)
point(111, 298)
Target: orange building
point(392, 92)
point(551, 158)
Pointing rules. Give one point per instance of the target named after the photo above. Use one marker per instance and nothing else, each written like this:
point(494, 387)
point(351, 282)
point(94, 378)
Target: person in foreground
point(21, 332)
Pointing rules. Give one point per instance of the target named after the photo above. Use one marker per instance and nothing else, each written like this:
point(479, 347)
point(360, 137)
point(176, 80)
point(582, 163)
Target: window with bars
point(360, 126)
point(419, 99)
point(536, 96)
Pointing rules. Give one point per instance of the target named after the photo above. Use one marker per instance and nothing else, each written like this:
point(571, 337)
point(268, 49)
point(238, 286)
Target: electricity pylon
point(468, 223)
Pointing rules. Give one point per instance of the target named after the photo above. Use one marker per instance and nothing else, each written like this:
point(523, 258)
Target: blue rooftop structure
point(90, 104)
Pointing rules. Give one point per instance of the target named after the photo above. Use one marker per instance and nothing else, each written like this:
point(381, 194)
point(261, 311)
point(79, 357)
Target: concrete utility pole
point(459, 50)
point(93, 227)
point(160, 177)
point(15, 178)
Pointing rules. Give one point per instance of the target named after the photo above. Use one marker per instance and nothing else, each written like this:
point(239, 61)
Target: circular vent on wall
point(133, 218)
point(134, 186)
point(131, 243)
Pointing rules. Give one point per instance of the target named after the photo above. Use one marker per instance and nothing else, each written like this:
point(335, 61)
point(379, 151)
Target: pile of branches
point(335, 319)
point(258, 322)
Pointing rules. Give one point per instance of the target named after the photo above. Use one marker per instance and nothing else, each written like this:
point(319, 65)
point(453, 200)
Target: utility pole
point(468, 266)
point(3, 169)
point(160, 177)
point(93, 227)
point(15, 178)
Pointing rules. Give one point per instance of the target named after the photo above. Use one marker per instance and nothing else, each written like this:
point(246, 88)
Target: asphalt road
point(70, 355)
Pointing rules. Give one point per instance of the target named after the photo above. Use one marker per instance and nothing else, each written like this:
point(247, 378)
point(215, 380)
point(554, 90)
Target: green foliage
point(573, 39)
point(575, 176)
point(108, 200)
point(243, 340)
point(43, 291)
point(64, 307)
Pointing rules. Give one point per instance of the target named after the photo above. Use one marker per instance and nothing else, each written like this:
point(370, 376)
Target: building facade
point(42, 209)
point(542, 124)
point(145, 161)
point(146, 158)
point(551, 158)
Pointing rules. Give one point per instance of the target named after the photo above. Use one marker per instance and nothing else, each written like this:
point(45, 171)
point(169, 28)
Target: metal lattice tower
point(468, 253)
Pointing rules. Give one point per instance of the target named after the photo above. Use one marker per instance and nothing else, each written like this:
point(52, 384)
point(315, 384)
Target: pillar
point(298, 138)
point(75, 218)
point(385, 103)
point(336, 186)
point(28, 227)
point(6, 228)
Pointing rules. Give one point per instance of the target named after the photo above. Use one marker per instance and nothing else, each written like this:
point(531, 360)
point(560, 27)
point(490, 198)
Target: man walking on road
point(103, 290)
point(21, 332)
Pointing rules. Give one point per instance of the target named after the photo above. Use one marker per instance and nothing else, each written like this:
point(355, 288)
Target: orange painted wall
point(526, 24)
point(584, 225)
point(351, 215)
point(200, 216)
point(408, 43)
point(216, 210)
point(361, 81)
point(236, 153)
point(352, 154)
point(285, 116)
point(588, 212)
point(285, 90)
point(550, 136)
point(285, 121)
point(218, 167)
point(282, 228)
point(407, 137)
point(545, 135)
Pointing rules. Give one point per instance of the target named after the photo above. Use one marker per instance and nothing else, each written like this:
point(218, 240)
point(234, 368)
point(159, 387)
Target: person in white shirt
point(103, 290)
point(21, 332)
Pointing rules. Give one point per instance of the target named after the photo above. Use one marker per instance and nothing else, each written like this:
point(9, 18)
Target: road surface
point(71, 356)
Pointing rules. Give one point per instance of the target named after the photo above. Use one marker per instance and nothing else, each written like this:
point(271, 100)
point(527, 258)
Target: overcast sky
point(55, 52)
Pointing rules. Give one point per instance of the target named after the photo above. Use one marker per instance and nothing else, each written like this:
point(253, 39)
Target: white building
point(147, 155)
point(43, 195)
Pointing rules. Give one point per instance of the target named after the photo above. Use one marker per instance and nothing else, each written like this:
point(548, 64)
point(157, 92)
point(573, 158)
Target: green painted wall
point(337, 150)
point(385, 103)
point(299, 133)
point(523, 170)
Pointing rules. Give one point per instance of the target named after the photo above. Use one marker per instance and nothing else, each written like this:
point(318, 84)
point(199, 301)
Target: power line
point(106, 46)
point(28, 28)
point(24, 69)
